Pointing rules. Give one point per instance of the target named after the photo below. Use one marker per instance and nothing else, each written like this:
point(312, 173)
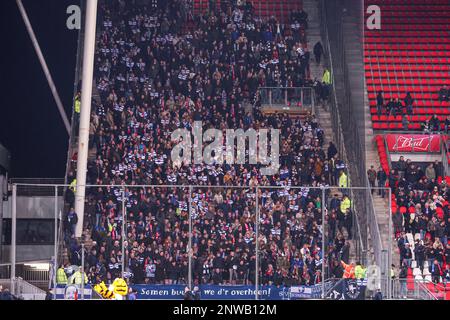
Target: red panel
point(413, 143)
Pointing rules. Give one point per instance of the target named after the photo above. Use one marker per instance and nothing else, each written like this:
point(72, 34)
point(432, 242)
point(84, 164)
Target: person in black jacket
point(318, 51)
point(403, 274)
point(196, 293)
point(380, 103)
point(390, 106)
point(447, 125)
point(378, 295)
point(408, 103)
point(337, 270)
point(435, 123)
point(436, 272)
point(397, 107)
point(419, 254)
point(381, 178)
point(217, 277)
point(188, 294)
point(332, 151)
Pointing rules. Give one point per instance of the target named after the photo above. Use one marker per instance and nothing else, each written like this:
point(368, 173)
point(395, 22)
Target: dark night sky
point(30, 124)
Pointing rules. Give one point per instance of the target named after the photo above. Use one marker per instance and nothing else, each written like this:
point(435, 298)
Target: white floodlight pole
point(13, 236)
point(44, 65)
point(86, 96)
point(55, 249)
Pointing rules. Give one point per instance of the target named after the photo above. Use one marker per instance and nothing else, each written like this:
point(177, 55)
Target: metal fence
point(256, 224)
point(412, 289)
point(296, 97)
point(22, 289)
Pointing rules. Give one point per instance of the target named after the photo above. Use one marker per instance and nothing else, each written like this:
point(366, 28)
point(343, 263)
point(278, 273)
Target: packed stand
point(155, 75)
point(421, 209)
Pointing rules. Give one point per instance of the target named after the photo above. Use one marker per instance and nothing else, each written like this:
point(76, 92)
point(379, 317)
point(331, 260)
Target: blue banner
point(212, 292)
point(307, 292)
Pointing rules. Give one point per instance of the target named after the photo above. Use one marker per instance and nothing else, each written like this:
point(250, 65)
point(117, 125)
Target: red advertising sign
point(413, 142)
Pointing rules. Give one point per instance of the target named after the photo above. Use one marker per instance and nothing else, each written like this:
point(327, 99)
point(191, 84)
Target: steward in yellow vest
point(61, 276)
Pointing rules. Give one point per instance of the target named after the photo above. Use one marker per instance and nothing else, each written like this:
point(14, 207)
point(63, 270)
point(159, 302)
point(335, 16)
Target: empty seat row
point(405, 40)
point(415, 14)
point(389, 93)
point(414, 118)
point(393, 89)
point(416, 8)
point(439, 71)
point(417, 54)
point(402, 33)
point(409, 54)
point(406, 2)
point(417, 103)
point(413, 20)
point(407, 47)
point(419, 113)
point(400, 81)
point(406, 66)
point(408, 60)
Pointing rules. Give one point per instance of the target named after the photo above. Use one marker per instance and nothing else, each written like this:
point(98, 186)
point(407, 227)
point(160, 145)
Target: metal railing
point(21, 288)
point(368, 216)
point(256, 207)
point(401, 289)
point(445, 157)
point(296, 97)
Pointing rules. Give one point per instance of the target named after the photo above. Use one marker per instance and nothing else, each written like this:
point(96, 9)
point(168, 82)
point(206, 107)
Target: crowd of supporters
point(157, 69)
point(422, 209)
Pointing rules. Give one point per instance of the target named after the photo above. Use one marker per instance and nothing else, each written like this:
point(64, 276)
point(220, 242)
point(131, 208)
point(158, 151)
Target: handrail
point(259, 88)
point(280, 96)
point(425, 289)
point(420, 291)
point(73, 133)
point(337, 126)
point(445, 152)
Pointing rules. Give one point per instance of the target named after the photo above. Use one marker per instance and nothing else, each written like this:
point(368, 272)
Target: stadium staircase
point(353, 52)
point(316, 71)
point(411, 53)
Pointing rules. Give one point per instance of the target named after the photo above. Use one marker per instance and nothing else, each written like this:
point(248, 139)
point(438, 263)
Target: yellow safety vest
point(77, 105)
point(326, 77)
point(61, 277)
point(73, 185)
point(345, 204)
point(343, 181)
point(77, 278)
point(360, 272)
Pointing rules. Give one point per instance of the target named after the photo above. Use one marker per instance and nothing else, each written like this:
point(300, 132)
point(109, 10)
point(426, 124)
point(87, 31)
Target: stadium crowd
point(157, 70)
point(422, 209)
